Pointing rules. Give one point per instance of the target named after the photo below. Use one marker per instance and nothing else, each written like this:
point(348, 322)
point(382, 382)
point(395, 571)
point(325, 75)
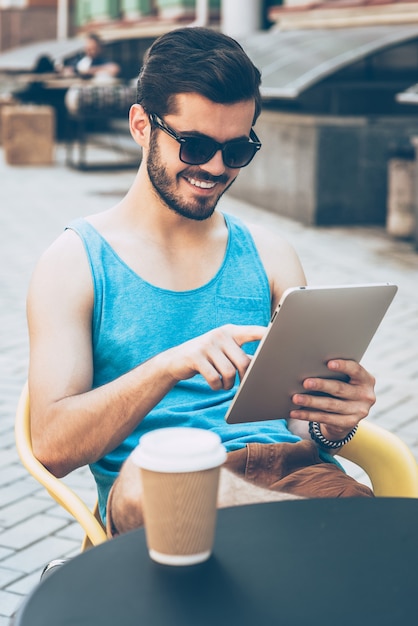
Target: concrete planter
point(323, 170)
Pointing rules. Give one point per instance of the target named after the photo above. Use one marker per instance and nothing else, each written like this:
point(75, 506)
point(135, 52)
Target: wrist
point(329, 444)
point(167, 367)
point(334, 433)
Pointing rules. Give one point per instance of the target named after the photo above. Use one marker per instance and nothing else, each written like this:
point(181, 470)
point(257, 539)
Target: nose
point(216, 165)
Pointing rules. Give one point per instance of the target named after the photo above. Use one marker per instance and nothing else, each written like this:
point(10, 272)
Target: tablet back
point(310, 326)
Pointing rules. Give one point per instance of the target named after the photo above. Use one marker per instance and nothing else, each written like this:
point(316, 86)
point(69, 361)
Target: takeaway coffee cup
point(180, 476)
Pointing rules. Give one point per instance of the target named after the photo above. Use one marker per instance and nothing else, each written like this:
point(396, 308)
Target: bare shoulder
point(59, 312)
point(68, 242)
point(280, 260)
point(270, 241)
point(62, 272)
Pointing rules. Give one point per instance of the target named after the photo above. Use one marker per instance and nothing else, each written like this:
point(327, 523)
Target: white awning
point(292, 61)
point(23, 59)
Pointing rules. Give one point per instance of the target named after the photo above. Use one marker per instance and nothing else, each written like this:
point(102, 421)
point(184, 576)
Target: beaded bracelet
point(328, 444)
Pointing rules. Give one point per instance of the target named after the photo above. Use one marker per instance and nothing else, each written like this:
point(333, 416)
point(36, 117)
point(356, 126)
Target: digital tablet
point(310, 326)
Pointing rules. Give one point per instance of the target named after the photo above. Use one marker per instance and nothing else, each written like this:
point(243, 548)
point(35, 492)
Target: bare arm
point(86, 68)
point(111, 69)
point(73, 424)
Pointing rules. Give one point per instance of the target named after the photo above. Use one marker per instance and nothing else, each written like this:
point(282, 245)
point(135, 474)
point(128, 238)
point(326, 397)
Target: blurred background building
point(27, 21)
point(338, 83)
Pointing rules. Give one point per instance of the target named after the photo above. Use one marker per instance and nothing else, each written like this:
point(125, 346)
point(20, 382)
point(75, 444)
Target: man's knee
point(124, 505)
point(325, 480)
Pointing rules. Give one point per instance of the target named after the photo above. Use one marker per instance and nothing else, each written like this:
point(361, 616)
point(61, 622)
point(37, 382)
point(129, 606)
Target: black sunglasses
point(199, 149)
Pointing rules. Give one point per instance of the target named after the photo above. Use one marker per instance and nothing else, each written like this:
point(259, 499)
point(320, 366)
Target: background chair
point(387, 461)
point(64, 495)
point(98, 115)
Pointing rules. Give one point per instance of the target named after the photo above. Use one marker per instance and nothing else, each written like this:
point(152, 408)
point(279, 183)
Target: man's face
point(92, 48)
point(193, 191)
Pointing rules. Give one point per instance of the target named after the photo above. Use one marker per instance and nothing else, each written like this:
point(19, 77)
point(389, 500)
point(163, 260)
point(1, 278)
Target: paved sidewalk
point(35, 205)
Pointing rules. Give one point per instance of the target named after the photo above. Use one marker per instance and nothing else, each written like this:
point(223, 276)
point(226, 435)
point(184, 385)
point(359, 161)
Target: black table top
point(342, 562)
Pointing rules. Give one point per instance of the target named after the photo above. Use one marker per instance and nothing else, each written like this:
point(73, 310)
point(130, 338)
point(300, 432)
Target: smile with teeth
point(202, 184)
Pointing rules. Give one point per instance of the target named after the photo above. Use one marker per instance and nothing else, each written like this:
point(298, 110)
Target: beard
point(164, 186)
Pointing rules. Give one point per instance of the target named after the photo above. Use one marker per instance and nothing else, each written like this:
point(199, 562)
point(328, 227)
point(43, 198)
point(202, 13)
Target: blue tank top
point(134, 320)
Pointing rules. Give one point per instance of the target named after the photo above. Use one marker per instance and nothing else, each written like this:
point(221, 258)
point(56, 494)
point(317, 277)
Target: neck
point(148, 214)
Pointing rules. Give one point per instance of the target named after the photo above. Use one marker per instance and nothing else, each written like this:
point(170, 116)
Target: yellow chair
point(64, 495)
point(387, 461)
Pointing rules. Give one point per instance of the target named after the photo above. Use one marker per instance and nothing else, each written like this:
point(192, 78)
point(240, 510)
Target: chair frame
point(59, 491)
point(386, 459)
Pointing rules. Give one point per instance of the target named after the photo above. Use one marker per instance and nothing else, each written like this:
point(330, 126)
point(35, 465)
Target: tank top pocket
point(240, 310)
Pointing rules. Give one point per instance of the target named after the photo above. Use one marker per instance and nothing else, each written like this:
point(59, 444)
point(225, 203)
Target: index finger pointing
point(245, 334)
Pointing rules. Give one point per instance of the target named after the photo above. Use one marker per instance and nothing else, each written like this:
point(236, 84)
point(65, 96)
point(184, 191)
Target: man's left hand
point(344, 404)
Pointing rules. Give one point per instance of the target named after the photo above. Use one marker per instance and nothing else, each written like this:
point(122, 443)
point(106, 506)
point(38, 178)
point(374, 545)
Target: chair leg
point(87, 543)
point(51, 567)
point(77, 144)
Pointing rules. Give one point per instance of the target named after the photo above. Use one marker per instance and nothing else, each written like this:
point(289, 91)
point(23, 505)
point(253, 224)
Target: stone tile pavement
point(35, 205)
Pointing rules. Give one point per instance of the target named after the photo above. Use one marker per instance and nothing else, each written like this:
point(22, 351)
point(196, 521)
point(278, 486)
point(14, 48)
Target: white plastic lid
point(179, 449)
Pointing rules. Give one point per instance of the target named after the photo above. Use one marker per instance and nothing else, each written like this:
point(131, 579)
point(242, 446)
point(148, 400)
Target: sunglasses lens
point(238, 153)
point(197, 150)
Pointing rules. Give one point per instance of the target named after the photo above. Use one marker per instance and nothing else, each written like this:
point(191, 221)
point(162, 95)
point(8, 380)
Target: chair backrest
point(386, 459)
point(60, 492)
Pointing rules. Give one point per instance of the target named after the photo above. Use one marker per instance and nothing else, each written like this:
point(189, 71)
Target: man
point(145, 315)
point(93, 63)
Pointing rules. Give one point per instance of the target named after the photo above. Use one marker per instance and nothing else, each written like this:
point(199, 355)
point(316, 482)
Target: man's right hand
point(217, 355)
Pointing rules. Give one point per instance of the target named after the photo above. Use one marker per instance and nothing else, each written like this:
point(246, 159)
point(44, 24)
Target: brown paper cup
point(179, 504)
point(180, 515)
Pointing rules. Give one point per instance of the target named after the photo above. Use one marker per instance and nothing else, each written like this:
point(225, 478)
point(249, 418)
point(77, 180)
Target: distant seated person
point(94, 63)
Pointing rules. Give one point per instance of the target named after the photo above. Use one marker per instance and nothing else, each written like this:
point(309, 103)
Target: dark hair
point(197, 60)
point(43, 64)
point(94, 37)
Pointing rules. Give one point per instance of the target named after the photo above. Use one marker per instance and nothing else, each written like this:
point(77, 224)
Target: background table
point(292, 563)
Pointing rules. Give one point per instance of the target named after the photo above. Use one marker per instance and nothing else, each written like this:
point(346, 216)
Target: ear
point(139, 125)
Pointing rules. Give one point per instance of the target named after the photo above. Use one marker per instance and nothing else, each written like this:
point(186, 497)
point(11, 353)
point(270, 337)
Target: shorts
point(294, 468)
